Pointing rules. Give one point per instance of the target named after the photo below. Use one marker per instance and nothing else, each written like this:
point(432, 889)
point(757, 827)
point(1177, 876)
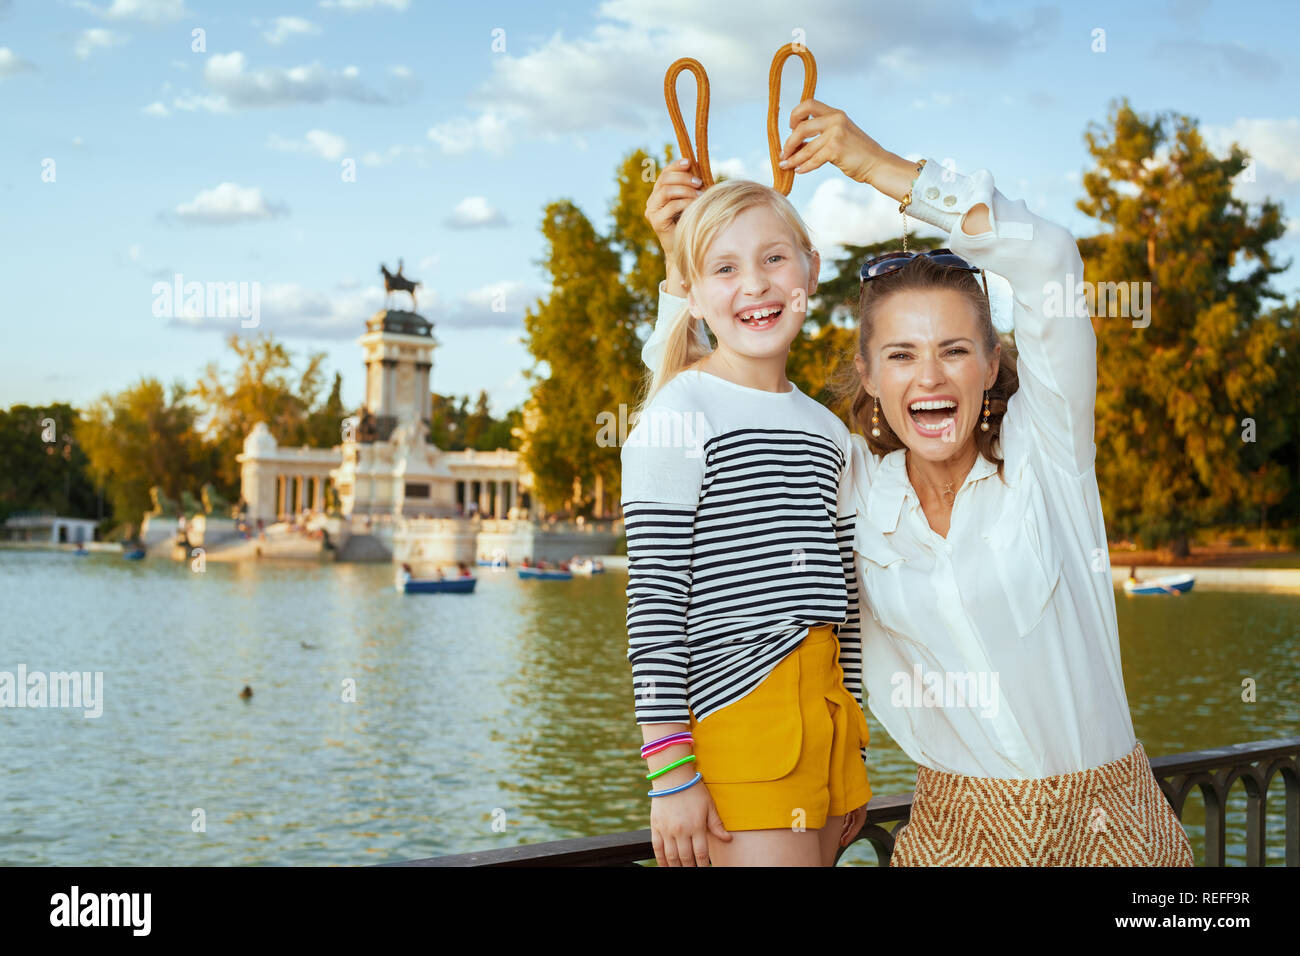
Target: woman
point(990, 642)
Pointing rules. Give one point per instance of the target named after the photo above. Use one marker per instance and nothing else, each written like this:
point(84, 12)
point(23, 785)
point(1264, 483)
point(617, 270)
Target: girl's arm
point(661, 490)
point(850, 632)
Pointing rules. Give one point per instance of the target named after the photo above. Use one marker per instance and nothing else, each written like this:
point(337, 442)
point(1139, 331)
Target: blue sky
point(227, 163)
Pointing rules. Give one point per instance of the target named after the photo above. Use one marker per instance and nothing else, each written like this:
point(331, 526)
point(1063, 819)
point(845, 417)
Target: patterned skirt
point(1111, 815)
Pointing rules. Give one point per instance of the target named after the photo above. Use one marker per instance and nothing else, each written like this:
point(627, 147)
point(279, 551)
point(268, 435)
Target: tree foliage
point(45, 466)
point(1173, 397)
point(264, 386)
point(143, 437)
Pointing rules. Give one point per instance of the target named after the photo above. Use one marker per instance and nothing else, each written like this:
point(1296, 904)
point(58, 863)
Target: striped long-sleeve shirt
point(739, 539)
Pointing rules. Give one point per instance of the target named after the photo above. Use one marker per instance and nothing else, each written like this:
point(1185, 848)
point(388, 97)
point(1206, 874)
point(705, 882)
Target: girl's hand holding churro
point(675, 189)
point(822, 134)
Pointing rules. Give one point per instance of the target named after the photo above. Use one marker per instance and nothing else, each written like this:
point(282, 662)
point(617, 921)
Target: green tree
point(264, 386)
point(583, 342)
point(324, 427)
point(139, 438)
point(1171, 397)
point(45, 467)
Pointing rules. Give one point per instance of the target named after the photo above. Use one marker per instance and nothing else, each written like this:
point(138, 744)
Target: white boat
point(586, 566)
point(1173, 584)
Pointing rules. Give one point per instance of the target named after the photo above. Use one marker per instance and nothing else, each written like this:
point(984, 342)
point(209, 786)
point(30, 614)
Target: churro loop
point(700, 164)
point(783, 179)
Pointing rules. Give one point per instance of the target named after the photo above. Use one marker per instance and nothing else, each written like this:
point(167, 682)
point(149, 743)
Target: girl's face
point(754, 286)
point(927, 365)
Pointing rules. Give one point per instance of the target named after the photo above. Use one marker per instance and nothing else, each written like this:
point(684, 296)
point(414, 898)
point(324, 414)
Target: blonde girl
point(742, 604)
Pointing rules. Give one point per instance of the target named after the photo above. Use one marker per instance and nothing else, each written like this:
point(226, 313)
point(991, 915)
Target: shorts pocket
point(758, 737)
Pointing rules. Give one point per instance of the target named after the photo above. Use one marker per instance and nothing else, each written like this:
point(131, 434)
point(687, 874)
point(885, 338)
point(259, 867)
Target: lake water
point(482, 721)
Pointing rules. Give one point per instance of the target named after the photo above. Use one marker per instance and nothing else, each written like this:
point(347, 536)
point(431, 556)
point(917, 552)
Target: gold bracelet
point(907, 199)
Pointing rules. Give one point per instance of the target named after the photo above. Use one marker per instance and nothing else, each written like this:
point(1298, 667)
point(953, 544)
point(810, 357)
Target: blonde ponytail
point(682, 350)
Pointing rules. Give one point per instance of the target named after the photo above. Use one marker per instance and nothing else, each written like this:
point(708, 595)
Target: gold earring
point(875, 418)
point(984, 425)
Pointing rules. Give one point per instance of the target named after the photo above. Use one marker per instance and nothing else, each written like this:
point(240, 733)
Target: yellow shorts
point(786, 754)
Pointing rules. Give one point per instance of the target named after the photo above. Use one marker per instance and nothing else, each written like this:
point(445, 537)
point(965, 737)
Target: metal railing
point(1213, 772)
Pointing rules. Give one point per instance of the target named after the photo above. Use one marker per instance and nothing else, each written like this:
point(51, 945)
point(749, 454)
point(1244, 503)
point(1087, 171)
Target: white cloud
point(292, 310)
point(1272, 143)
point(285, 27)
point(144, 11)
point(353, 6)
point(489, 132)
point(11, 64)
point(733, 168)
point(324, 144)
point(235, 85)
point(156, 108)
point(843, 212)
point(393, 153)
point(473, 212)
point(496, 305)
point(96, 38)
point(611, 76)
point(228, 203)
point(196, 101)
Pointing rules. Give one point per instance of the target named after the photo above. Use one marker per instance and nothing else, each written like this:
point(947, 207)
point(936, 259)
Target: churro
point(700, 164)
point(783, 179)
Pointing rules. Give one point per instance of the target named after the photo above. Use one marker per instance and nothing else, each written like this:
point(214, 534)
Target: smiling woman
point(927, 344)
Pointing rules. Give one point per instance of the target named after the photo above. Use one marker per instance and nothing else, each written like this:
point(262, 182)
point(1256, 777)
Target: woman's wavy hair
point(923, 274)
point(700, 224)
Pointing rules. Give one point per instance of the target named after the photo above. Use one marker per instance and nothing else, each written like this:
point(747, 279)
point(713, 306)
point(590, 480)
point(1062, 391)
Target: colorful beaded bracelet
point(664, 793)
point(665, 745)
point(676, 763)
point(681, 737)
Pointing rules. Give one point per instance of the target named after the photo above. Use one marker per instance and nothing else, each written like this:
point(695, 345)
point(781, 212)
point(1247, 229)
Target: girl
point(1026, 753)
point(742, 602)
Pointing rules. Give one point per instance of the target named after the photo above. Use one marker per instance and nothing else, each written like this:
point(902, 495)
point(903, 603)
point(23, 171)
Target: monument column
point(318, 494)
point(424, 403)
point(390, 387)
point(281, 490)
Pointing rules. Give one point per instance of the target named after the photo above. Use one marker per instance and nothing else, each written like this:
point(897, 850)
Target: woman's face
point(753, 266)
point(926, 363)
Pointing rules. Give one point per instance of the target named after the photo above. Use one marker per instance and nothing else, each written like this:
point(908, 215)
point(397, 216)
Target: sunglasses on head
point(888, 262)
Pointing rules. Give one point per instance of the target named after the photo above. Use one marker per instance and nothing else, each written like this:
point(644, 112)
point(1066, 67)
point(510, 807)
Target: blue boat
point(434, 586)
point(1174, 584)
point(136, 554)
point(546, 574)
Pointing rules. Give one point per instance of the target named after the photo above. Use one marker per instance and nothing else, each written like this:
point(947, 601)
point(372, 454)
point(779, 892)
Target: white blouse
point(994, 652)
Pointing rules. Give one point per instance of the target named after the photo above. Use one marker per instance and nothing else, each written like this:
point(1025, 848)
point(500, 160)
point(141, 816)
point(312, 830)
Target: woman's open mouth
point(933, 417)
point(761, 318)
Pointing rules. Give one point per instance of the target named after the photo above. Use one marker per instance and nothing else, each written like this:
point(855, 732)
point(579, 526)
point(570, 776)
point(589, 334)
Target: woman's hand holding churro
point(822, 134)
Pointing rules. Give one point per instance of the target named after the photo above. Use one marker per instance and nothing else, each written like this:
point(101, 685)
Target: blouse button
point(949, 200)
point(932, 192)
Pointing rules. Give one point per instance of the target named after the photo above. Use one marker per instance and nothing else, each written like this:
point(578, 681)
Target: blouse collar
point(890, 487)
